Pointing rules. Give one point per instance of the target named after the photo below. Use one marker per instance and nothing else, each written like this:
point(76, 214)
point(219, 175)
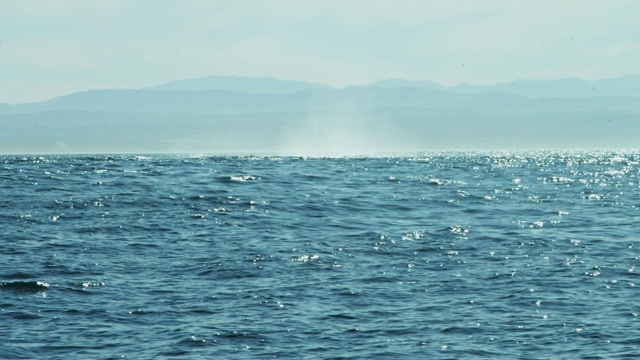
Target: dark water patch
point(24, 286)
point(341, 317)
point(17, 275)
point(22, 315)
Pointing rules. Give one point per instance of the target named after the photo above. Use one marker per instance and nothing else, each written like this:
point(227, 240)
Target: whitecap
point(243, 178)
point(458, 230)
point(562, 179)
point(414, 235)
point(537, 224)
point(306, 258)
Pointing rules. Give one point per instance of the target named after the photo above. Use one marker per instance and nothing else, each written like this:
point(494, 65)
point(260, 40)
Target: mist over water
point(344, 135)
point(429, 255)
point(334, 127)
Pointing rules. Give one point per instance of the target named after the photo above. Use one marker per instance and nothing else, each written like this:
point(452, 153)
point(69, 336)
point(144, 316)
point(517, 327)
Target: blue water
point(434, 255)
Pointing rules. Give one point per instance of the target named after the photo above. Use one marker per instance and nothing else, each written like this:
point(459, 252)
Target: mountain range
point(241, 114)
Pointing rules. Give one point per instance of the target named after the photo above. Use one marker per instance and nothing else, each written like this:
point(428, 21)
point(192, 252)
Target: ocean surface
point(526, 255)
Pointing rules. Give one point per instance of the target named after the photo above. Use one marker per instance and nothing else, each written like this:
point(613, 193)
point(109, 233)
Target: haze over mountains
point(217, 114)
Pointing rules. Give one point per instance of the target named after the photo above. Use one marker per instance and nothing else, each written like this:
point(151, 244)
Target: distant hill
point(563, 88)
point(232, 114)
point(167, 102)
point(397, 83)
point(172, 102)
point(264, 85)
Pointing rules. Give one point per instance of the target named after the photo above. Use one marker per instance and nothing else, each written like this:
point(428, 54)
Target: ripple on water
point(439, 255)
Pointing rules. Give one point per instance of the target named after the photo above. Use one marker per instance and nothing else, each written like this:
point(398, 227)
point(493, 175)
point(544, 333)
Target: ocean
point(452, 255)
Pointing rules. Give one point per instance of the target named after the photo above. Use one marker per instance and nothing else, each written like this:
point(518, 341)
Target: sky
point(51, 48)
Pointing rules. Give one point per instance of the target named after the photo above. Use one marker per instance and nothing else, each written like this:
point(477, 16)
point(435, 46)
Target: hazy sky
point(50, 48)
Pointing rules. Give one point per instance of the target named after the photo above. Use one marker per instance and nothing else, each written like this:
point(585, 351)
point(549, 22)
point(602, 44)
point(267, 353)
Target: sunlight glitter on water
point(385, 257)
